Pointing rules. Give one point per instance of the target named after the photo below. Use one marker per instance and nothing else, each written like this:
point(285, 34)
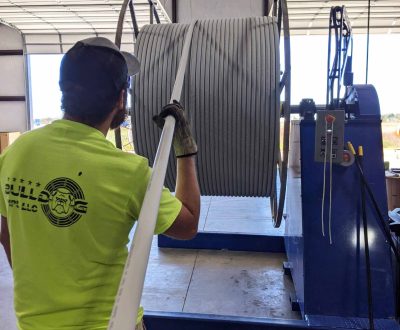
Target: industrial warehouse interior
point(199, 164)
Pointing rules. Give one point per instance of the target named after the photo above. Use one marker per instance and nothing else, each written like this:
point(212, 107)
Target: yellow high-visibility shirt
point(71, 199)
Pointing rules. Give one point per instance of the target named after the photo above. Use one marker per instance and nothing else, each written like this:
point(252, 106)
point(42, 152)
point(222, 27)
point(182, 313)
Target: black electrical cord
point(381, 222)
point(366, 247)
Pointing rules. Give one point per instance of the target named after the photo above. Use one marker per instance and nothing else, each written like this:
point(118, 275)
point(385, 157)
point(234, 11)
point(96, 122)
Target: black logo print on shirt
point(65, 202)
point(62, 200)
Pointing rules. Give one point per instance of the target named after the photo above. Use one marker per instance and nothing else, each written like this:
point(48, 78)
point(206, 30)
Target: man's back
point(71, 199)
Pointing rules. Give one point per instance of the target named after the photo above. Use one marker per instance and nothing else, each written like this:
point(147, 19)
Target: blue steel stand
point(227, 241)
point(189, 321)
point(330, 280)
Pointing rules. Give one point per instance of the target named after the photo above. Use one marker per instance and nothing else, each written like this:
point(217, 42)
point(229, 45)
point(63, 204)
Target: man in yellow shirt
point(69, 198)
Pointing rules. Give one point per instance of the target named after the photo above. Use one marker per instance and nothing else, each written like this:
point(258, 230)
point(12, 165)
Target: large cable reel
point(262, 182)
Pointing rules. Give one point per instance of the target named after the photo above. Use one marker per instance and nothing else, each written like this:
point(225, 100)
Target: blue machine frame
point(330, 279)
point(189, 321)
point(227, 241)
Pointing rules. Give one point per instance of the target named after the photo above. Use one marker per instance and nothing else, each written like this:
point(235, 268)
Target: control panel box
point(329, 136)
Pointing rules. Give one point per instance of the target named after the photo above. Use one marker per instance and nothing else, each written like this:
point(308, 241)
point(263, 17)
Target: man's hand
point(184, 143)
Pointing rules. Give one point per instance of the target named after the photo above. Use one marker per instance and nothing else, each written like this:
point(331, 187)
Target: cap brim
point(132, 62)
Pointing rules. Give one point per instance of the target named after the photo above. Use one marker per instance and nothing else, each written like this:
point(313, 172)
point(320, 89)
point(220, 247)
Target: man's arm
point(187, 188)
point(5, 238)
point(188, 192)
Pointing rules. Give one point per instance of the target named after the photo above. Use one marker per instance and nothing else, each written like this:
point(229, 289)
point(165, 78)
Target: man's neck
point(103, 127)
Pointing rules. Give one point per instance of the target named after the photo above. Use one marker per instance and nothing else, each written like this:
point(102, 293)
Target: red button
point(330, 119)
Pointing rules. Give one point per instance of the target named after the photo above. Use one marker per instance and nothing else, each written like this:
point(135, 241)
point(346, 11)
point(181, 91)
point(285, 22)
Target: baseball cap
point(97, 63)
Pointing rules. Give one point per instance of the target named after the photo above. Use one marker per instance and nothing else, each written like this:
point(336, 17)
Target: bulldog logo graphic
point(63, 202)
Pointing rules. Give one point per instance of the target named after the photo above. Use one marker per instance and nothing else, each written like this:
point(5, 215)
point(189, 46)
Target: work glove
point(184, 143)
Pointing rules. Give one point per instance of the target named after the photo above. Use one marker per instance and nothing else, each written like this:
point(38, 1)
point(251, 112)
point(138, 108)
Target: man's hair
point(90, 106)
point(91, 80)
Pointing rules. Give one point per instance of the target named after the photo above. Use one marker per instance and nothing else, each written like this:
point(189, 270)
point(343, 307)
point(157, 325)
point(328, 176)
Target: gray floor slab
point(241, 284)
point(210, 282)
point(255, 226)
point(7, 316)
point(168, 278)
point(246, 215)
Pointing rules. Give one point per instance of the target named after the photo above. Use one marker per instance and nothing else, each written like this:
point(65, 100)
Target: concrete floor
point(251, 215)
point(7, 317)
point(204, 281)
point(218, 282)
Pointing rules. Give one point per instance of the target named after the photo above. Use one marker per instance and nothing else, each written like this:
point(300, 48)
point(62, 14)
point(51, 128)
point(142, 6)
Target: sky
point(45, 92)
point(309, 66)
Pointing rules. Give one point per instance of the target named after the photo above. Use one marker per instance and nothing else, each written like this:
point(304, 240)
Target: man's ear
point(120, 102)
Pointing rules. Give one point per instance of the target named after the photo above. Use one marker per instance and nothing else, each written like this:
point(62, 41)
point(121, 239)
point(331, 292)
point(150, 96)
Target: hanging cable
point(324, 181)
point(330, 181)
point(380, 219)
point(366, 244)
point(329, 130)
point(367, 61)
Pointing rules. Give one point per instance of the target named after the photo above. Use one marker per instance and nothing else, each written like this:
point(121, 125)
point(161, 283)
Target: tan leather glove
point(184, 143)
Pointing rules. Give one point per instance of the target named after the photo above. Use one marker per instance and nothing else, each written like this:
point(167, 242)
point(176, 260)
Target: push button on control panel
point(329, 136)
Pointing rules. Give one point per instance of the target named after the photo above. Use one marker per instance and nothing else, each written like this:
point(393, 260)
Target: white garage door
point(13, 98)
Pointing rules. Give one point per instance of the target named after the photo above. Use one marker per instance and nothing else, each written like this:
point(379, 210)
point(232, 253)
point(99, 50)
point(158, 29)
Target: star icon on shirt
point(38, 184)
point(29, 182)
point(22, 180)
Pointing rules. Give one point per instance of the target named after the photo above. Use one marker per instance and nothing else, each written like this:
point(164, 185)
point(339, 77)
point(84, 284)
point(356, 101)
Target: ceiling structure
point(312, 17)
point(52, 26)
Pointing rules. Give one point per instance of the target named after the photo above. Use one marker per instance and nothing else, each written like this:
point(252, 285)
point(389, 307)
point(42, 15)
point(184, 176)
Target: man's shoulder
point(128, 170)
point(131, 159)
point(32, 134)
point(23, 139)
